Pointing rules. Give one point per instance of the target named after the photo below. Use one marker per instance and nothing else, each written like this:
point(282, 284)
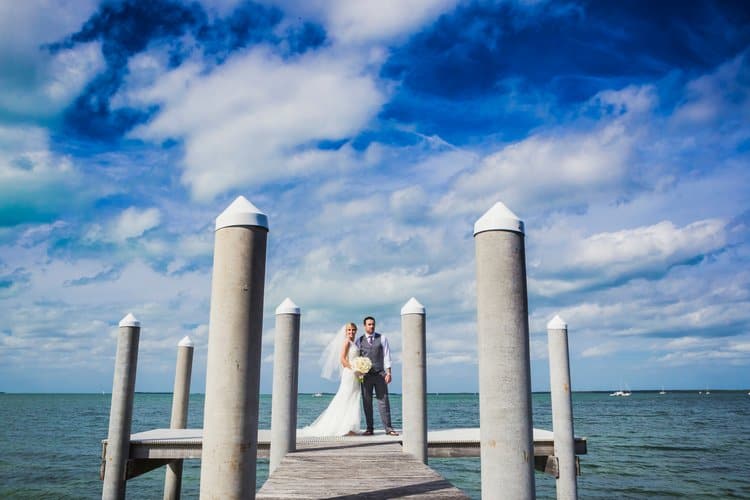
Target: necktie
point(369, 339)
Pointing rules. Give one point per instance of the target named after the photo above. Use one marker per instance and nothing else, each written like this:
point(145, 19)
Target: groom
point(375, 346)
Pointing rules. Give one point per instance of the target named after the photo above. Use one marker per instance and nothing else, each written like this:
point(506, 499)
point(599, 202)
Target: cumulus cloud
point(258, 118)
point(373, 21)
point(547, 171)
point(378, 20)
point(583, 262)
point(133, 222)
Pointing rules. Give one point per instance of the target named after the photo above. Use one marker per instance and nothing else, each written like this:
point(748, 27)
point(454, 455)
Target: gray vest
point(374, 352)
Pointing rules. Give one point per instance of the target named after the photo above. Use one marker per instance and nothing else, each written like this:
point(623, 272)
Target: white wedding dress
point(343, 413)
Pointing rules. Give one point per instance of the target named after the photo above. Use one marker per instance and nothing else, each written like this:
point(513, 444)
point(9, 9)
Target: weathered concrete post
point(506, 432)
point(562, 408)
point(285, 369)
point(414, 398)
point(230, 428)
point(121, 410)
point(180, 397)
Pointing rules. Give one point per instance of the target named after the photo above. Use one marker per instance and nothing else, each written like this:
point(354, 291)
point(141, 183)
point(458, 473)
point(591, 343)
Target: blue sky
point(374, 134)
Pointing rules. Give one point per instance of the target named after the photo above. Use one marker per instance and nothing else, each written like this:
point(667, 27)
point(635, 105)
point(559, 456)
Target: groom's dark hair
point(368, 317)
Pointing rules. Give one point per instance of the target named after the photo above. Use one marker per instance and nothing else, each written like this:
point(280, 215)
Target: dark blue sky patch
point(303, 36)
point(114, 203)
point(387, 134)
point(473, 120)
point(570, 53)
point(248, 24)
point(331, 145)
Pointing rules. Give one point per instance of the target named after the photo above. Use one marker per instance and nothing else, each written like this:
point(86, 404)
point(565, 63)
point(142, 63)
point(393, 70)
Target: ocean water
point(680, 444)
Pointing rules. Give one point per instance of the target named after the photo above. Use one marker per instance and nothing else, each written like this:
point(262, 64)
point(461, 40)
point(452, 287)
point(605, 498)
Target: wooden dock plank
point(463, 442)
point(348, 470)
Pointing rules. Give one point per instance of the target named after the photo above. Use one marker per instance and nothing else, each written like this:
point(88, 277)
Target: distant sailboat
point(622, 393)
point(662, 391)
point(619, 393)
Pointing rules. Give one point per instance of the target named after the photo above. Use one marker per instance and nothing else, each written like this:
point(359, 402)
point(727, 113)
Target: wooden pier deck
point(348, 470)
point(154, 448)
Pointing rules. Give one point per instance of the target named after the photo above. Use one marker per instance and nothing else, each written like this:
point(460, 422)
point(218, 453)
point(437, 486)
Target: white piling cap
point(186, 342)
point(498, 218)
point(287, 307)
point(241, 213)
point(557, 323)
point(412, 307)
point(130, 320)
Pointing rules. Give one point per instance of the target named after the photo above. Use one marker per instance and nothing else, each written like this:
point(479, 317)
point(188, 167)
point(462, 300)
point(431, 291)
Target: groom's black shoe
point(367, 433)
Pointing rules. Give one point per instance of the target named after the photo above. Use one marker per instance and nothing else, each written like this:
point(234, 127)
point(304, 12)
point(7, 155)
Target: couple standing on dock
point(342, 417)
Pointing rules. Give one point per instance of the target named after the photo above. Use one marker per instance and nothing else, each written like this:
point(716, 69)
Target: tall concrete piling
point(230, 428)
point(121, 410)
point(285, 369)
point(180, 397)
point(562, 409)
point(414, 398)
point(506, 432)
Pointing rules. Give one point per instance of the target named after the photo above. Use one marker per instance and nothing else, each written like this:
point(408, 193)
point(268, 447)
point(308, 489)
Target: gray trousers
point(376, 381)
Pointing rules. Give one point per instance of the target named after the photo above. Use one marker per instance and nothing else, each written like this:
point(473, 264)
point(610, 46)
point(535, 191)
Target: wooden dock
point(349, 470)
point(325, 462)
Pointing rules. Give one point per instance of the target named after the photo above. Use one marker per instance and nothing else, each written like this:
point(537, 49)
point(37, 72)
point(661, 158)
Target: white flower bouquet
point(361, 365)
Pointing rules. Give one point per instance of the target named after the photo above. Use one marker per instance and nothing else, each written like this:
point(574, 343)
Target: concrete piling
point(506, 432)
point(230, 429)
point(180, 397)
point(414, 398)
point(284, 396)
point(562, 409)
point(121, 409)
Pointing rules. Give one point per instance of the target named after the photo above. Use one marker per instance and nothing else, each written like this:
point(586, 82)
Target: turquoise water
point(680, 444)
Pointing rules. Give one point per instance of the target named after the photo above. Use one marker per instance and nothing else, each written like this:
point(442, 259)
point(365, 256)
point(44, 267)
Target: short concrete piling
point(284, 396)
point(230, 431)
point(121, 410)
point(180, 397)
point(506, 433)
point(562, 409)
point(414, 397)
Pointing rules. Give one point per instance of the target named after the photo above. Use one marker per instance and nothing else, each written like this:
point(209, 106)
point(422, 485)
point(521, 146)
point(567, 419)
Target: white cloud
point(353, 22)
point(368, 21)
point(256, 118)
point(630, 100)
point(605, 349)
point(652, 246)
point(575, 262)
point(133, 222)
point(546, 171)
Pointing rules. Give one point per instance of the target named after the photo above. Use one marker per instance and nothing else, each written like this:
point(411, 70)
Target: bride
point(342, 416)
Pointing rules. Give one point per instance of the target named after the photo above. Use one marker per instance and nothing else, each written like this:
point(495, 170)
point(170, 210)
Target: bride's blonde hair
point(346, 327)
